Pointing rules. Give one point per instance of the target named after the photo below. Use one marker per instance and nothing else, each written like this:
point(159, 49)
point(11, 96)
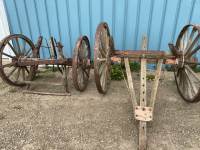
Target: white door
point(4, 28)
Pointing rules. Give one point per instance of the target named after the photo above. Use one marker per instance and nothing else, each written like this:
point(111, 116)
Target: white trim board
point(4, 27)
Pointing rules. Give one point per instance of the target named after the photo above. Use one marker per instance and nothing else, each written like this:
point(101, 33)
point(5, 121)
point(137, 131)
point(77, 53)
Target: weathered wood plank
point(142, 124)
point(130, 82)
point(43, 83)
point(155, 84)
point(46, 93)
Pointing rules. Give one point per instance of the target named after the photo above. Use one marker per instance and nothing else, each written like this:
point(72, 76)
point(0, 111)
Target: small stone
point(22, 141)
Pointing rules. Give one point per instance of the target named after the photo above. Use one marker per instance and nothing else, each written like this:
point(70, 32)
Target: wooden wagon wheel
point(187, 81)
point(10, 72)
point(81, 63)
point(102, 58)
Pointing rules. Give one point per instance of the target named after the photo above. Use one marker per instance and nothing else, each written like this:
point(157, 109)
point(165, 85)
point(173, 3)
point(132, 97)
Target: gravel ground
point(89, 120)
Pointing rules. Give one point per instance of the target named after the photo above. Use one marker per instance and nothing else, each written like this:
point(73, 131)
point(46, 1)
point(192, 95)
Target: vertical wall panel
point(128, 20)
point(143, 22)
point(131, 24)
point(64, 27)
point(119, 24)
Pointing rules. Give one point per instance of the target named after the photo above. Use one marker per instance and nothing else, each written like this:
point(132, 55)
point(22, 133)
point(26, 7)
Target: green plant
point(116, 73)
point(12, 90)
point(92, 64)
point(2, 117)
point(46, 67)
point(18, 107)
point(173, 81)
point(151, 77)
point(50, 76)
point(197, 69)
point(170, 68)
point(37, 77)
point(41, 71)
point(21, 99)
point(133, 66)
point(55, 69)
point(3, 87)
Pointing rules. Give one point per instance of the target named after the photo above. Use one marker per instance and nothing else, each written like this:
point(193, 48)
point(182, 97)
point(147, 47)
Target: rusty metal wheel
point(20, 47)
point(102, 58)
point(187, 81)
point(81, 63)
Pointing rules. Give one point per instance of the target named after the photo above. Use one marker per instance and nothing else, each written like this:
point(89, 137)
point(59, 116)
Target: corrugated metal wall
point(128, 20)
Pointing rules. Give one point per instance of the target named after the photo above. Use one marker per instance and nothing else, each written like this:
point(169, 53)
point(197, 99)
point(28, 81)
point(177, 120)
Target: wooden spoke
point(102, 68)
point(192, 45)
point(102, 52)
point(79, 71)
point(102, 41)
point(8, 65)
point(190, 39)
point(82, 48)
point(86, 73)
point(193, 52)
point(104, 38)
point(18, 74)
point(23, 49)
point(105, 79)
point(184, 80)
point(108, 75)
point(192, 72)
point(185, 40)
point(80, 76)
point(107, 42)
point(191, 82)
point(82, 44)
point(79, 55)
point(102, 80)
point(181, 44)
point(189, 88)
point(26, 69)
point(191, 62)
point(180, 83)
point(86, 56)
point(28, 51)
point(12, 71)
point(23, 74)
point(18, 47)
point(84, 51)
point(9, 56)
point(84, 80)
point(16, 54)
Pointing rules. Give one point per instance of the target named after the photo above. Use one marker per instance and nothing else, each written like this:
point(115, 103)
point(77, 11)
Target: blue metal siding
point(128, 20)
